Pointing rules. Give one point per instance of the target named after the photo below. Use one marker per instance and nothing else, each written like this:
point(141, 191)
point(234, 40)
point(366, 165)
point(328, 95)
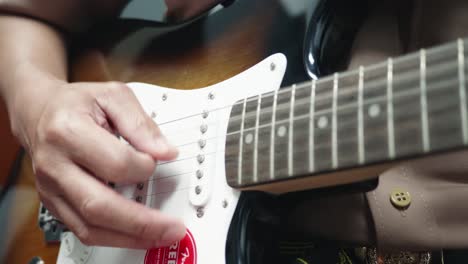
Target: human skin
point(68, 129)
point(30, 75)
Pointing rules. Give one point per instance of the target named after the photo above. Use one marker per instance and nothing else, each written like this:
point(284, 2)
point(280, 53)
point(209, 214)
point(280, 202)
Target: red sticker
point(182, 252)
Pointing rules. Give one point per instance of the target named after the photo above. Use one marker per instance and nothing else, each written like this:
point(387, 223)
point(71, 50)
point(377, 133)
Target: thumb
point(122, 108)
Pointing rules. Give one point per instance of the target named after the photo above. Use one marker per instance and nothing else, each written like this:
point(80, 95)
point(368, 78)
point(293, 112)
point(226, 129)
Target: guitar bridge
point(50, 225)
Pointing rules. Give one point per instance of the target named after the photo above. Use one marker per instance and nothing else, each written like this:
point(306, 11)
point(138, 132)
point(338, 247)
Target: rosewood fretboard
point(397, 109)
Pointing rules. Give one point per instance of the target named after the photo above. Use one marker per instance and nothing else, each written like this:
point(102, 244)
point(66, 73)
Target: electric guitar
point(240, 133)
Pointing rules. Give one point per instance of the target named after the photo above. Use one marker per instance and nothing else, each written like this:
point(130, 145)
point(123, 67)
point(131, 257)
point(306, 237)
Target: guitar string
point(397, 95)
point(349, 105)
point(441, 85)
point(408, 76)
point(247, 163)
point(444, 105)
point(381, 99)
point(307, 85)
point(354, 88)
point(350, 139)
point(368, 69)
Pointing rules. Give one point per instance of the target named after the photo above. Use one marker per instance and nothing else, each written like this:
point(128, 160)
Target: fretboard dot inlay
point(249, 138)
point(402, 108)
point(322, 122)
point(282, 131)
point(374, 110)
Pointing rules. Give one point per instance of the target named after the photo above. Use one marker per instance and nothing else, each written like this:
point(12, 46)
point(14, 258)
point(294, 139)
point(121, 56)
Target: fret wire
point(353, 138)
point(291, 130)
point(305, 101)
point(307, 83)
point(428, 87)
point(408, 92)
point(153, 178)
point(241, 140)
point(375, 84)
point(390, 120)
point(272, 137)
point(462, 91)
point(369, 87)
point(257, 123)
point(361, 115)
point(423, 98)
point(334, 123)
point(380, 99)
point(446, 105)
point(445, 109)
point(312, 127)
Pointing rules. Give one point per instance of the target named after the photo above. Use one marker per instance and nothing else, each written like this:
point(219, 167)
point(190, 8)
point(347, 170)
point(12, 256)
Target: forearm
point(32, 67)
point(31, 53)
point(68, 130)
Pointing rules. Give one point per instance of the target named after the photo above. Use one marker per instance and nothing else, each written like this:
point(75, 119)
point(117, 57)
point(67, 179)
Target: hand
point(70, 137)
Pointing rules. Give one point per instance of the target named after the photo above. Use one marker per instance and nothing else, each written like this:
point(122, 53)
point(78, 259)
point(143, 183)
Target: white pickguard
point(171, 189)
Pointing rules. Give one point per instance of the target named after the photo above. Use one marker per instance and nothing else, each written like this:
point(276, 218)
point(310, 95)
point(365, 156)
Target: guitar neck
point(402, 108)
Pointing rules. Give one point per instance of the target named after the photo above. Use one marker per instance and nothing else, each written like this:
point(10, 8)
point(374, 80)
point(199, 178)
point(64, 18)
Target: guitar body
point(194, 55)
point(230, 55)
point(193, 187)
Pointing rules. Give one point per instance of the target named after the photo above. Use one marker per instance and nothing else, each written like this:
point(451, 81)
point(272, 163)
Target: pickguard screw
point(140, 186)
point(225, 203)
point(200, 212)
point(198, 190)
point(201, 143)
point(164, 97)
point(199, 174)
point(211, 96)
point(153, 114)
point(205, 114)
point(203, 128)
point(272, 66)
point(139, 199)
point(200, 158)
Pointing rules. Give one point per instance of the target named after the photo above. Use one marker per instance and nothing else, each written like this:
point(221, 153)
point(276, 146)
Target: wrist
point(28, 84)
point(27, 94)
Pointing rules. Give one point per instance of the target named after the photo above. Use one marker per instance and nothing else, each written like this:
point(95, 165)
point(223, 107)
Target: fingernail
point(173, 234)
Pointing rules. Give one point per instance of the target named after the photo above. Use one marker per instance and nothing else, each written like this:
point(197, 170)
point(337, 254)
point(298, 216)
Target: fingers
point(92, 235)
point(122, 107)
point(107, 157)
point(102, 207)
point(73, 143)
